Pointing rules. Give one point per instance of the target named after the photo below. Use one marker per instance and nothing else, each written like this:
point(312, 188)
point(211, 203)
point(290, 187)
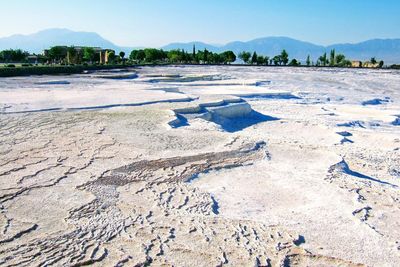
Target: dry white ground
point(201, 166)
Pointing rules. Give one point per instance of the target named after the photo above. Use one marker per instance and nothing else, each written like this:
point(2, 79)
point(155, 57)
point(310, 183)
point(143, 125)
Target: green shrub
point(10, 66)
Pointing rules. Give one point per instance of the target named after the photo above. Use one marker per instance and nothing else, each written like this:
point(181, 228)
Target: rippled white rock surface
point(201, 166)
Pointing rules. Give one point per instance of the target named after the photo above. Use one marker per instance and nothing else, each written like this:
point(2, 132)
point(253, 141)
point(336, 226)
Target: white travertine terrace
point(201, 166)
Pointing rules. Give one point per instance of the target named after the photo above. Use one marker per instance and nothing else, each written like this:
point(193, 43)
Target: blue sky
point(158, 22)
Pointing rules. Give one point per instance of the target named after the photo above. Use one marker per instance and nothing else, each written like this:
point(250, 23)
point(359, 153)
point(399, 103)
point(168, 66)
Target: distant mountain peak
point(56, 30)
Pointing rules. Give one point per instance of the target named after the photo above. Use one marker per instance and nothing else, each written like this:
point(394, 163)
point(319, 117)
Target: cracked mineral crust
point(201, 166)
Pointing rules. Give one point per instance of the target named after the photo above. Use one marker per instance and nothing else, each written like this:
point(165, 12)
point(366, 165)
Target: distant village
point(79, 55)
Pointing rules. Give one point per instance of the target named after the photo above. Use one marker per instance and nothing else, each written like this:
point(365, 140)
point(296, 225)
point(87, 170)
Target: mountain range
point(37, 42)
point(383, 49)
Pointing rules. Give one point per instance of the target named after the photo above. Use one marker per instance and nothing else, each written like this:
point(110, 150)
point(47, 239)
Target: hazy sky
point(158, 22)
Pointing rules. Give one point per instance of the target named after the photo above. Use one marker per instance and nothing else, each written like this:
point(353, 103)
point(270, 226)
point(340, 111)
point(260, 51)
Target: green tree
point(185, 56)
point(373, 60)
point(122, 56)
point(323, 59)
point(260, 60)
point(88, 54)
point(308, 61)
point(137, 55)
point(277, 60)
point(381, 63)
point(111, 57)
point(218, 58)
point(340, 60)
point(42, 59)
point(294, 62)
point(200, 56)
point(141, 55)
point(266, 60)
point(284, 57)
point(153, 55)
point(227, 57)
point(206, 54)
point(175, 56)
point(72, 55)
point(19, 55)
point(133, 55)
point(245, 56)
point(332, 58)
point(5, 56)
point(57, 52)
point(11, 55)
point(254, 58)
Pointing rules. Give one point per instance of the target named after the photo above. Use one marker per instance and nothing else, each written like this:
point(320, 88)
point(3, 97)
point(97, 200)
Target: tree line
point(61, 55)
point(282, 59)
point(88, 55)
point(11, 55)
point(278, 60)
point(150, 55)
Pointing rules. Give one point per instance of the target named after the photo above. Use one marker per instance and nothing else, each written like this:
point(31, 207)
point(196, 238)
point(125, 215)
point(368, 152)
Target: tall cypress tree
point(254, 58)
point(323, 59)
point(332, 59)
point(308, 61)
point(206, 53)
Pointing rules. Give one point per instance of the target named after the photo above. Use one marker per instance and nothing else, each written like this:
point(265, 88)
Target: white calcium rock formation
point(201, 166)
